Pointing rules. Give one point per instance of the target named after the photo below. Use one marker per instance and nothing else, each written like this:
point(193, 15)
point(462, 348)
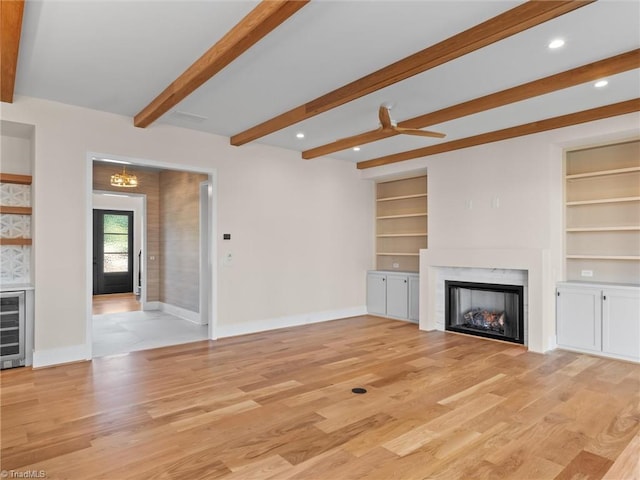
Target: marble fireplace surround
point(534, 264)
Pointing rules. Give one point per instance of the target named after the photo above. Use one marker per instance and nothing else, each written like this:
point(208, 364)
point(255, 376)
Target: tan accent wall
point(148, 185)
point(180, 239)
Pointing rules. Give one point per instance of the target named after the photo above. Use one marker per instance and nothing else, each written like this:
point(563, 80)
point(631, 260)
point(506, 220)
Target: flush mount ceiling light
point(601, 83)
point(356, 149)
point(124, 179)
point(556, 43)
point(299, 135)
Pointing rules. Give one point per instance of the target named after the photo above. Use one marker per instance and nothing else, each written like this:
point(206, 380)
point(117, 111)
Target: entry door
point(112, 251)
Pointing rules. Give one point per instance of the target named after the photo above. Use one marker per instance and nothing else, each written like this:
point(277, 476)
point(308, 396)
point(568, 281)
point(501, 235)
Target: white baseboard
point(288, 321)
point(57, 356)
point(147, 306)
point(193, 317)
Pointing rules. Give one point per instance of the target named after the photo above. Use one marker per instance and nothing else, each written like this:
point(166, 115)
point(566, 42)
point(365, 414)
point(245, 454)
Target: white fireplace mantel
point(541, 285)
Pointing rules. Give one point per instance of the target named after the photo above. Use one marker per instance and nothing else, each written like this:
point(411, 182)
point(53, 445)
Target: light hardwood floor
point(115, 303)
point(279, 405)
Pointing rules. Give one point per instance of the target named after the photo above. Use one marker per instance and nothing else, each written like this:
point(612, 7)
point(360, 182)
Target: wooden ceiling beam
point(11, 28)
point(518, 19)
point(584, 116)
point(263, 19)
point(576, 76)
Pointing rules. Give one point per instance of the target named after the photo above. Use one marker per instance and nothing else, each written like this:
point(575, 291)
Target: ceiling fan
point(388, 125)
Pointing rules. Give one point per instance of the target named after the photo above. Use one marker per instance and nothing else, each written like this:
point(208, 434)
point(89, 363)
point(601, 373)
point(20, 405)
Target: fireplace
point(485, 309)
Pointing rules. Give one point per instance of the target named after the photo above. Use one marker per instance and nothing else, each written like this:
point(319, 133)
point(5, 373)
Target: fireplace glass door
point(486, 310)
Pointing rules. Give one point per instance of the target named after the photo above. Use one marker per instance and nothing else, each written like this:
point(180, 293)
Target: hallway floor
point(124, 332)
point(115, 302)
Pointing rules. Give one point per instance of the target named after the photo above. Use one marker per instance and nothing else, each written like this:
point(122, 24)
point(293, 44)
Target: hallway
point(120, 327)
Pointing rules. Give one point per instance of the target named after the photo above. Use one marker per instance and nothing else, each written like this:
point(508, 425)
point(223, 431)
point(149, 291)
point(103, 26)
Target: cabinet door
point(414, 298)
point(621, 323)
point(579, 318)
point(376, 294)
point(397, 296)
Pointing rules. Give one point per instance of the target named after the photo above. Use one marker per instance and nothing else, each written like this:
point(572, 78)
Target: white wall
point(15, 148)
point(301, 230)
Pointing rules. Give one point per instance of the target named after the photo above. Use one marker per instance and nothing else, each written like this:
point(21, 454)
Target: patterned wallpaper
point(15, 259)
point(15, 195)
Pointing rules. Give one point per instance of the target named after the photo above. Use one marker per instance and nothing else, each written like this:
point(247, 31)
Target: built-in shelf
point(602, 173)
point(402, 197)
point(390, 235)
point(15, 241)
point(604, 200)
point(604, 257)
point(13, 178)
point(604, 229)
point(401, 223)
point(405, 215)
point(15, 210)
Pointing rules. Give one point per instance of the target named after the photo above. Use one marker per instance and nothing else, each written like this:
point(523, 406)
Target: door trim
point(141, 210)
point(212, 244)
point(100, 277)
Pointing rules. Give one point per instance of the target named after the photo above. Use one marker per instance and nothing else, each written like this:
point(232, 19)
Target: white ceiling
point(117, 56)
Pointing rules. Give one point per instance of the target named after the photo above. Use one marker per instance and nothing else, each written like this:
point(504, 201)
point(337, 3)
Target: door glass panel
point(114, 223)
point(116, 262)
point(116, 243)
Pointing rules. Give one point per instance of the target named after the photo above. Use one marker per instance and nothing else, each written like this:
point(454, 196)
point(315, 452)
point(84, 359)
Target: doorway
point(162, 320)
point(112, 251)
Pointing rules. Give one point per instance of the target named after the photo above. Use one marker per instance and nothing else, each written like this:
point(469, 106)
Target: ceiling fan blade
point(355, 140)
point(385, 118)
point(420, 133)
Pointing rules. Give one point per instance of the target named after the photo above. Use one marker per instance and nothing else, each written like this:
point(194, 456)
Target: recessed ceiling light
point(601, 83)
point(356, 149)
point(556, 43)
point(299, 135)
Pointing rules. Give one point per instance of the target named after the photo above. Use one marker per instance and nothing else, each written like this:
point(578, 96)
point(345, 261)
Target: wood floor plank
point(115, 303)
point(586, 466)
point(620, 432)
point(627, 465)
point(279, 405)
point(271, 466)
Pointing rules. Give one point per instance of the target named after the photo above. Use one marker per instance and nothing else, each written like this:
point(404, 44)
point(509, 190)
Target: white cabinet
point(621, 323)
point(579, 318)
point(393, 294)
point(377, 294)
point(599, 318)
point(398, 296)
